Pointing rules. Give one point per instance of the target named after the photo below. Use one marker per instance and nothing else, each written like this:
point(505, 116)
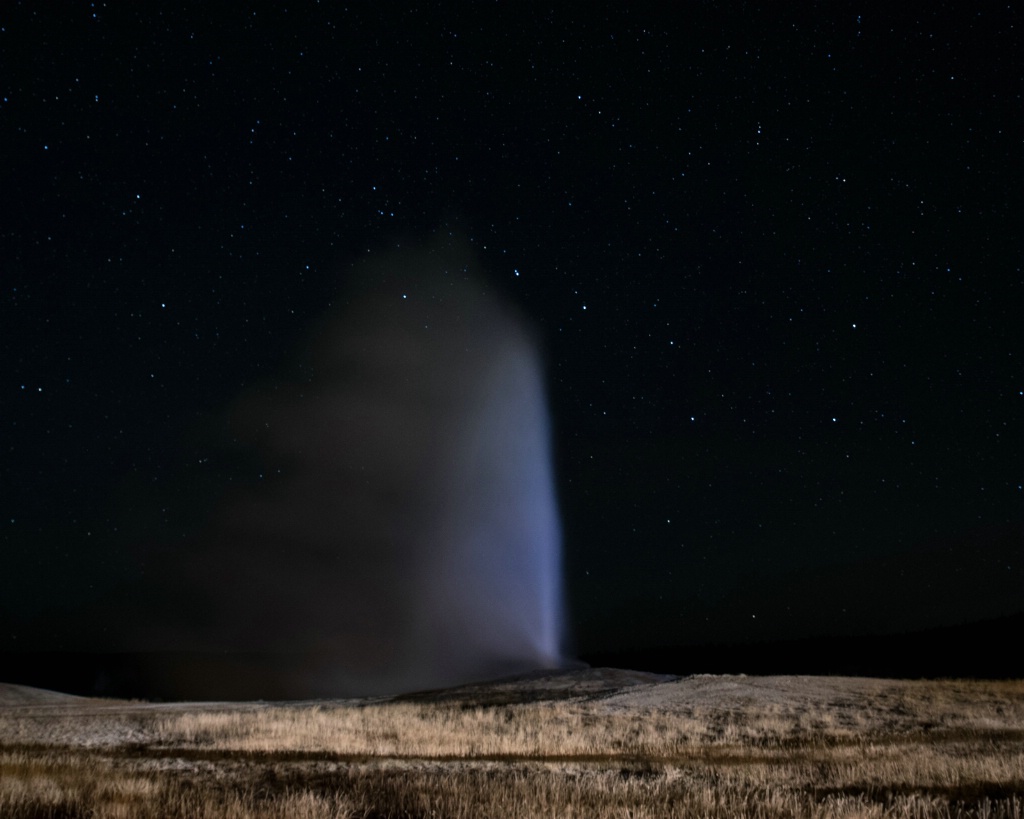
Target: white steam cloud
point(411, 537)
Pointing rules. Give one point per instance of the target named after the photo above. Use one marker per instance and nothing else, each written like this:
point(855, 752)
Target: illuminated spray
point(407, 536)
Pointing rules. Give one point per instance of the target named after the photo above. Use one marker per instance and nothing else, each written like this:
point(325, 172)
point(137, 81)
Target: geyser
point(405, 534)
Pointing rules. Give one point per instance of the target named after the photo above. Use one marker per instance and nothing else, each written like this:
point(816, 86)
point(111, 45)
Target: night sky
point(771, 259)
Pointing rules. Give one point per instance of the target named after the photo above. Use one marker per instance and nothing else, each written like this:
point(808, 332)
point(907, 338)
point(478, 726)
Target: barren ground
point(596, 743)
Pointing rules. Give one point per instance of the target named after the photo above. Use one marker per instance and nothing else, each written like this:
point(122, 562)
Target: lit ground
point(594, 743)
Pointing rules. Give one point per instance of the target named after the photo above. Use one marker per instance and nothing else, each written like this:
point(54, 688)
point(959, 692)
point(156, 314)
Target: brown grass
point(713, 747)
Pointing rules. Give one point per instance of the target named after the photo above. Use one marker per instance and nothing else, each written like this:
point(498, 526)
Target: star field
point(773, 260)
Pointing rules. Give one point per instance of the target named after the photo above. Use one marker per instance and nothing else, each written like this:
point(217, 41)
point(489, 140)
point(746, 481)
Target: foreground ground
point(595, 743)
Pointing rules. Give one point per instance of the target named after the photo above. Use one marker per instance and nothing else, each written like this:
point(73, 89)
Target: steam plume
point(406, 535)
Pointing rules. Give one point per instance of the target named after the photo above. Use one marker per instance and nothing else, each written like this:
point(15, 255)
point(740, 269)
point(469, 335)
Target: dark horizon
point(979, 650)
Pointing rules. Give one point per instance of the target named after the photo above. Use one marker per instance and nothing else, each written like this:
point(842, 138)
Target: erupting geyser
point(407, 534)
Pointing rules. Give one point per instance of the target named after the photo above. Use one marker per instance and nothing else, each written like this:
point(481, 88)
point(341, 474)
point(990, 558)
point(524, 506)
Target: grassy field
point(590, 744)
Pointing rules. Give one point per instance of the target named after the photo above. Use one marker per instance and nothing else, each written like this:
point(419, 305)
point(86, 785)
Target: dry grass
point(713, 747)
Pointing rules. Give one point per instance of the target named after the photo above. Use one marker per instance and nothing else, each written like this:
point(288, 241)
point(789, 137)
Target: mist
point(403, 530)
